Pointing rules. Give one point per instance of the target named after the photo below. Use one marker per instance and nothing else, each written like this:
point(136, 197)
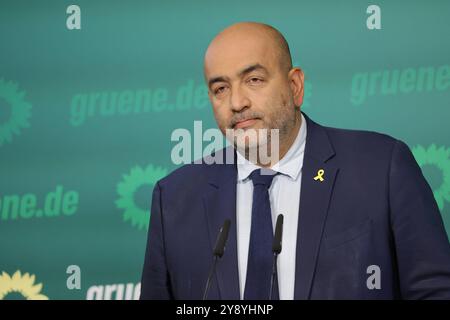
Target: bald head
point(249, 36)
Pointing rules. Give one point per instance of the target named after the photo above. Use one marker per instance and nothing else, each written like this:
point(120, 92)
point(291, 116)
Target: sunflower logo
point(22, 284)
point(127, 188)
point(439, 159)
point(20, 111)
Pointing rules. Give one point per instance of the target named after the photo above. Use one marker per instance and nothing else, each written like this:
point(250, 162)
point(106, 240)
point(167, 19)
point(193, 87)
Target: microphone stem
point(274, 272)
point(208, 282)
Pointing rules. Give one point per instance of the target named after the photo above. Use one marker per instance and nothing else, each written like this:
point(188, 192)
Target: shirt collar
point(290, 165)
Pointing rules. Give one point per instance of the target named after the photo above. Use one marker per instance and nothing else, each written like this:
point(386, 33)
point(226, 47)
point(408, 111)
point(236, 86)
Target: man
point(360, 221)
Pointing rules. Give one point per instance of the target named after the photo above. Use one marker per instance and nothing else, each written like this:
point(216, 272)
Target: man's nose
point(239, 99)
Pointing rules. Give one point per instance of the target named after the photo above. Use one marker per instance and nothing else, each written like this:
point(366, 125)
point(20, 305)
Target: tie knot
point(263, 177)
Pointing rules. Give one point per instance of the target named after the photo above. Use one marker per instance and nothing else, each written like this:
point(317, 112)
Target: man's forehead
point(232, 61)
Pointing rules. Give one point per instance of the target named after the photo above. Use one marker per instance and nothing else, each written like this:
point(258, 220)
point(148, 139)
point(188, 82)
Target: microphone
point(218, 251)
point(276, 249)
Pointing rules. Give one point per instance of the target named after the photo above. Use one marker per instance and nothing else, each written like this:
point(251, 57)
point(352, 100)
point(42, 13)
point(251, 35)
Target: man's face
point(248, 88)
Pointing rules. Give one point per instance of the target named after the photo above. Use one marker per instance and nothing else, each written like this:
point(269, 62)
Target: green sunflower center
point(5, 111)
point(14, 295)
point(143, 196)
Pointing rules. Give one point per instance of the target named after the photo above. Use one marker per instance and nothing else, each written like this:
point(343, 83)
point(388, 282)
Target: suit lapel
point(314, 201)
point(220, 204)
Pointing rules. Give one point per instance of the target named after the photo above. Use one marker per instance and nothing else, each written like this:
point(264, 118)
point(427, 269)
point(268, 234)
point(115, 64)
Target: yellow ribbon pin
point(320, 175)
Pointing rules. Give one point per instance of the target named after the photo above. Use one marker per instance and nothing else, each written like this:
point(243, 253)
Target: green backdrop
point(86, 115)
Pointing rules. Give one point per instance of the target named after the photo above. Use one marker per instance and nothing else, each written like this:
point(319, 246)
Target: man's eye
point(255, 80)
point(219, 90)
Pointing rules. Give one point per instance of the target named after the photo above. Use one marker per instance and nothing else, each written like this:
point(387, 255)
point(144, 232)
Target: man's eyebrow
point(241, 73)
point(251, 68)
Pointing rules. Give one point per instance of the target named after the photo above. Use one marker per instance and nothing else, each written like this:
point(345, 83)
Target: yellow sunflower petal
point(33, 290)
point(38, 297)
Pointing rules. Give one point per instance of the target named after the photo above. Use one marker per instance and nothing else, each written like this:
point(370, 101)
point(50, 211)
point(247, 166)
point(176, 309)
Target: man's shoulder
point(350, 140)
point(360, 140)
point(200, 171)
point(191, 172)
point(364, 150)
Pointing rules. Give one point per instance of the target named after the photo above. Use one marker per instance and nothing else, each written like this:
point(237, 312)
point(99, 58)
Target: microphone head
point(276, 245)
point(222, 239)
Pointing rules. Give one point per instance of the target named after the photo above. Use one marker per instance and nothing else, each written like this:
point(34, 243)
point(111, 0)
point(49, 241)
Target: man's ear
point(297, 83)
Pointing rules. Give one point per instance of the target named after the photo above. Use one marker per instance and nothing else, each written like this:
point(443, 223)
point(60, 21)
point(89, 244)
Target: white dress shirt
point(284, 195)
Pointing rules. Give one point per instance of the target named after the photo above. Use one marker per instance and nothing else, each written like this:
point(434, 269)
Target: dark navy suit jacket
point(374, 207)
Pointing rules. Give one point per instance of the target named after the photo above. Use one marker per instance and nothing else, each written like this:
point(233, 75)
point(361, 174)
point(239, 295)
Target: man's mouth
point(245, 123)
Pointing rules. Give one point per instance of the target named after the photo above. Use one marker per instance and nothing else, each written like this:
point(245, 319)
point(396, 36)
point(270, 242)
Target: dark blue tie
point(260, 256)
